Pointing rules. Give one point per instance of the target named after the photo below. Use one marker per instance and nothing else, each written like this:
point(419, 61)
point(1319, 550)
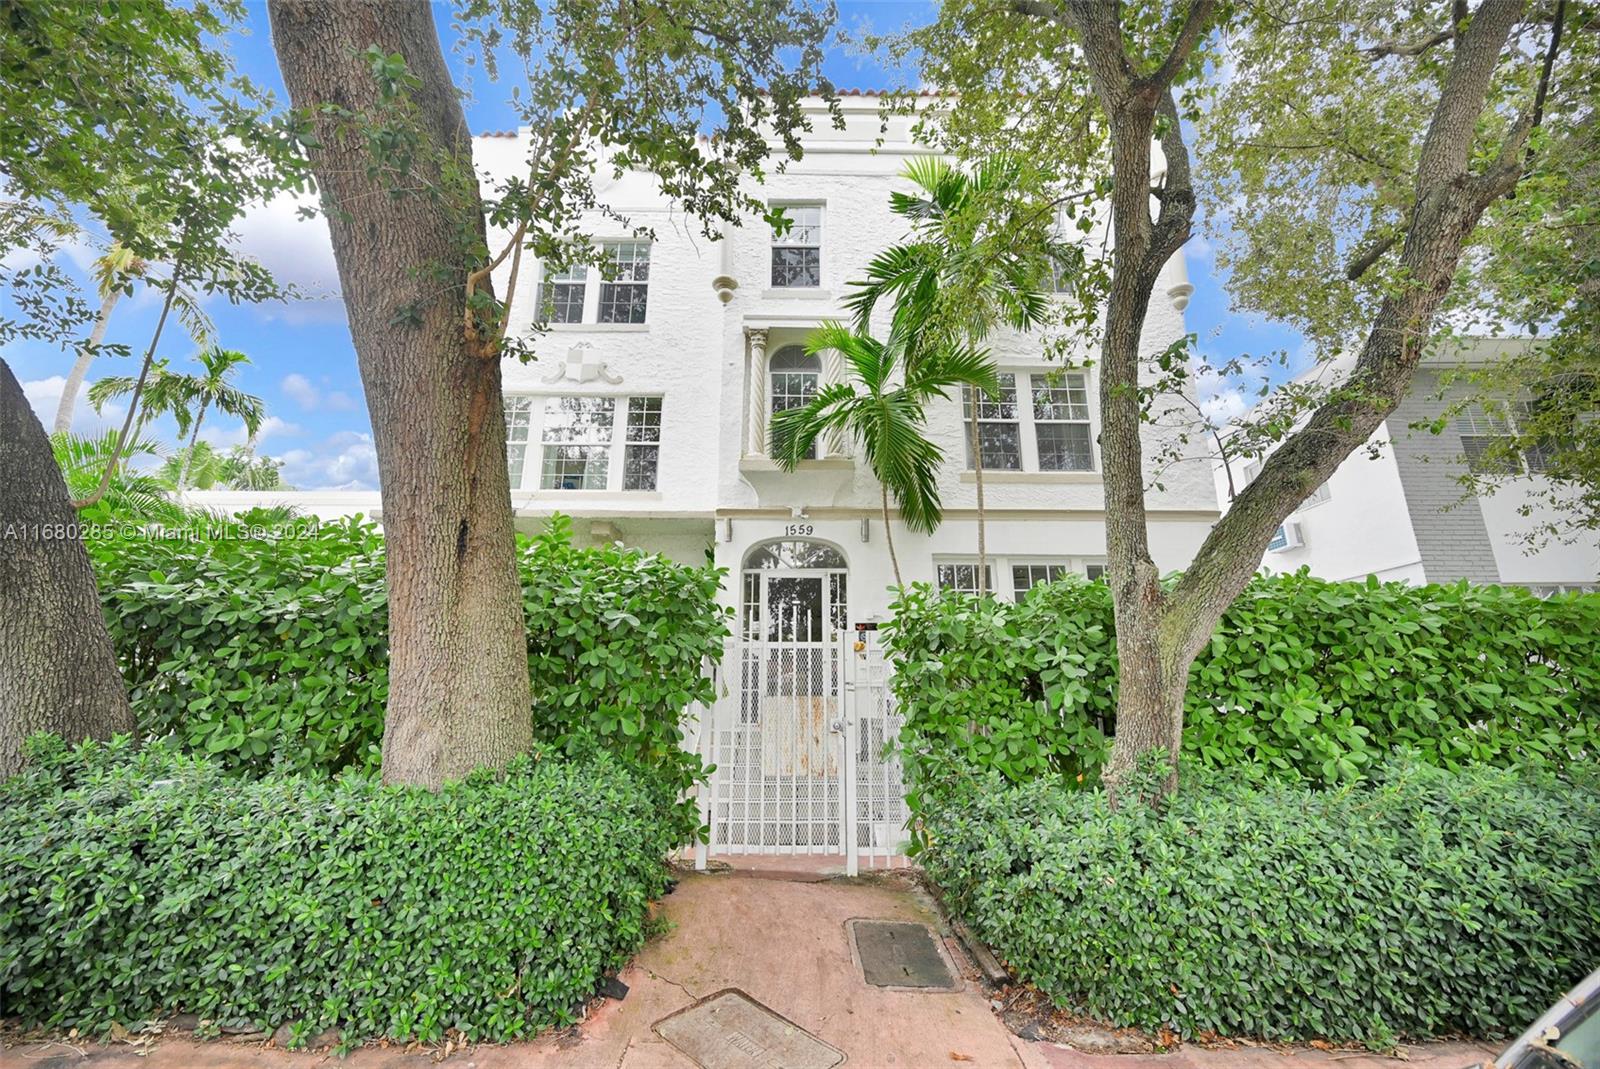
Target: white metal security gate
point(801, 737)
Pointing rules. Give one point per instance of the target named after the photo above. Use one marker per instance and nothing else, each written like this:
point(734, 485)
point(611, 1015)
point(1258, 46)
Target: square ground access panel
point(900, 954)
point(731, 1030)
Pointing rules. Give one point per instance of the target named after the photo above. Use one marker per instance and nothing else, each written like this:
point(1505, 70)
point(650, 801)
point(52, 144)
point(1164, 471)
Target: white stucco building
point(1396, 508)
point(645, 416)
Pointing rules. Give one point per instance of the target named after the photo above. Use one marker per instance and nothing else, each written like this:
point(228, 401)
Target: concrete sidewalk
point(784, 944)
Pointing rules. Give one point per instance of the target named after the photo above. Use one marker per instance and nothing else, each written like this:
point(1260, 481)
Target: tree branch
point(1195, 24)
point(1372, 252)
point(1414, 48)
point(1038, 9)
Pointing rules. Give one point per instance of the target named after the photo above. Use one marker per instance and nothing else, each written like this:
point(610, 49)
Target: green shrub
point(1304, 680)
point(141, 884)
point(1426, 902)
point(264, 651)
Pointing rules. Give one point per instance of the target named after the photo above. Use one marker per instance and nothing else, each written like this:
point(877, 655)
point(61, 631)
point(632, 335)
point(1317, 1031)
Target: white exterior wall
point(1384, 513)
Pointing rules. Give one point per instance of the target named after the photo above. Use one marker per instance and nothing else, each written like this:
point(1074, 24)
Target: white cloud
point(45, 397)
point(339, 401)
point(298, 252)
point(228, 437)
point(344, 461)
point(300, 390)
point(1224, 406)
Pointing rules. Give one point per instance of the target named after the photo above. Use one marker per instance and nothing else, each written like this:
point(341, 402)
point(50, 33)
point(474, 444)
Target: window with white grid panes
point(624, 297)
point(519, 418)
point(586, 443)
point(1061, 422)
point(563, 295)
point(999, 430)
point(793, 378)
point(797, 252)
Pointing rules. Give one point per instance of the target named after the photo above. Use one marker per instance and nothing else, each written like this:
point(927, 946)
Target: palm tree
point(131, 495)
point(980, 255)
point(213, 390)
point(204, 467)
point(160, 394)
point(886, 419)
point(114, 273)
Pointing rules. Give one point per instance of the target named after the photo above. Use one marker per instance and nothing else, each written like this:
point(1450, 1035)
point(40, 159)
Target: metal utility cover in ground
point(900, 954)
point(731, 1030)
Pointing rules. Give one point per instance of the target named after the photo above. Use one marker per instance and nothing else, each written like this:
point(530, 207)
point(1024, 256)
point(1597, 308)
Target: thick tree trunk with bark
point(458, 671)
point(1159, 632)
point(58, 669)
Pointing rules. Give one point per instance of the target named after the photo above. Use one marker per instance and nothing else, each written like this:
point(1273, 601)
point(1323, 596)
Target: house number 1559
point(797, 529)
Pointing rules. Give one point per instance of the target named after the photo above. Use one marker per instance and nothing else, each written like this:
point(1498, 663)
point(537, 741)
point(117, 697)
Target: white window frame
point(1088, 566)
point(575, 275)
point(519, 432)
point(632, 278)
point(1027, 425)
point(791, 239)
point(622, 437)
point(595, 283)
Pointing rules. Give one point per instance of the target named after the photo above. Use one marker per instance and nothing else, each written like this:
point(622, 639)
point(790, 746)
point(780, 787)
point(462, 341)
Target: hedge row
point(1304, 680)
point(273, 651)
point(1428, 902)
point(150, 883)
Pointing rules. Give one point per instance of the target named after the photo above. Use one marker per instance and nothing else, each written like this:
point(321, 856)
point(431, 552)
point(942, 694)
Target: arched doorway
point(794, 590)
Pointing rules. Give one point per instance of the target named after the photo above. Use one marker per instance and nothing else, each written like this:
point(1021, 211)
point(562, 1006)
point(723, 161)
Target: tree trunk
point(80, 366)
point(58, 670)
point(888, 536)
point(458, 670)
point(188, 456)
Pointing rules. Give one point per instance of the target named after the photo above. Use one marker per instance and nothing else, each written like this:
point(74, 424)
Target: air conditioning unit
point(1287, 536)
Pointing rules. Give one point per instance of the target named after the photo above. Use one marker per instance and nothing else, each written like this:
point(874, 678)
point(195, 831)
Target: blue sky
point(303, 363)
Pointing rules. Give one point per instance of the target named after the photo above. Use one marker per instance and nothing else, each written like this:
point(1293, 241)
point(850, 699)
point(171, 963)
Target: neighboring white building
point(1396, 508)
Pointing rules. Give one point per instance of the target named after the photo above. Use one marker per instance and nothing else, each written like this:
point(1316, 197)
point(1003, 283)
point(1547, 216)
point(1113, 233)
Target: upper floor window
point(797, 253)
point(582, 442)
point(793, 378)
point(569, 295)
point(1050, 433)
point(623, 299)
point(563, 297)
point(1488, 443)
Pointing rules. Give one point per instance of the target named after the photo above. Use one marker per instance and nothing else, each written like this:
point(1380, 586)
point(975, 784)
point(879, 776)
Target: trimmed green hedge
point(141, 884)
point(1305, 680)
point(1428, 902)
point(273, 651)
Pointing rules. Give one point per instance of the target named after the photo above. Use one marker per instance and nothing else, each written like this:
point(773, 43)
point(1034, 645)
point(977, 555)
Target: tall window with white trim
point(564, 291)
point(961, 578)
point(793, 378)
point(1061, 422)
point(519, 417)
point(642, 448)
point(624, 297)
point(576, 443)
point(797, 252)
point(999, 432)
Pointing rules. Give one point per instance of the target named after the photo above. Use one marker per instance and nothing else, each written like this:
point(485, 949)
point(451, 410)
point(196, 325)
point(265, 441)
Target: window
point(519, 416)
point(641, 455)
point(577, 443)
point(585, 443)
point(563, 295)
point(1025, 575)
point(962, 578)
point(1479, 433)
point(999, 433)
point(623, 299)
point(1061, 422)
point(792, 380)
point(797, 253)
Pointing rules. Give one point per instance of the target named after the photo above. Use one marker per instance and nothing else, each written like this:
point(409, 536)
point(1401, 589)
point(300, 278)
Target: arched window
point(793, 591)
point(793, 378)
